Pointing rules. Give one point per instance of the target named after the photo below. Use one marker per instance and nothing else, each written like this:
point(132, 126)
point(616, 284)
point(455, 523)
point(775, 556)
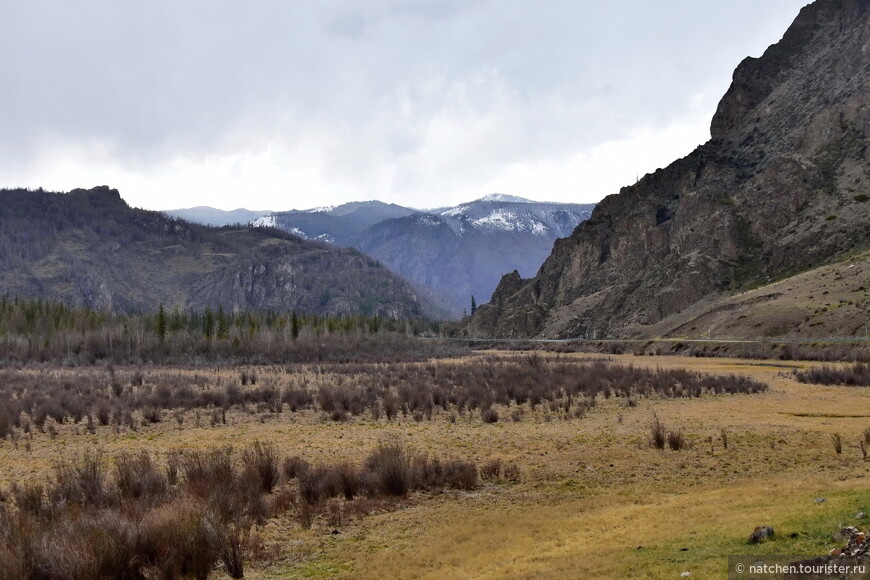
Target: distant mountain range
point(336, 225)
point(454, 252)
point(210, 216)
point(88, 247)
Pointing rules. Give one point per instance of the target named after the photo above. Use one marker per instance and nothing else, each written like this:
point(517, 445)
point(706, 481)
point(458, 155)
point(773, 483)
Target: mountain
point(334, 224)
point(780, 189)
point(453, 253)
point(462, 251)
point(210, 216)
point(89, 247)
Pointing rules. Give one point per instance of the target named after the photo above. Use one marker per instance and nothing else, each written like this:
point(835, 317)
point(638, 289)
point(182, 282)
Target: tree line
point(39, 330)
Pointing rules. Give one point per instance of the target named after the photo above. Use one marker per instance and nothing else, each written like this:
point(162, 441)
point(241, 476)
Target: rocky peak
point(755, 78)
point(782, 187)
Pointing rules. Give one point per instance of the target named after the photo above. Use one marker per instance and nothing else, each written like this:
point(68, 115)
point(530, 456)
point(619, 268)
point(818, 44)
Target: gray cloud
point(415, 101)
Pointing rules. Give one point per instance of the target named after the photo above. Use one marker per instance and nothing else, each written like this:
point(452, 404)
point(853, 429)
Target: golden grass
point(595, 501)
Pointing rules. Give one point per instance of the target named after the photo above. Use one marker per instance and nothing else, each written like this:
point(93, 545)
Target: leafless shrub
point(138, 478)
point(857, 375)
point(294, 466)
point(489, 415)
point(206, 471)
point(151, 415)
point(676, 441)
point(103, 412)
point(837, 440)
point(81, 481)
point(390, 464)
point(182, 539)
point(88, 525)
point(262, 461)
point(173, 467)
point(348, 480)
point(29, 497)
point(658, 434)
point(229, 548)
point(391, 406)
point(511, 472)
point(491, 470)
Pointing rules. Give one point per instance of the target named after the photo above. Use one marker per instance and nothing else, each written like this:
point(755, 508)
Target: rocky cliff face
point(782, 186)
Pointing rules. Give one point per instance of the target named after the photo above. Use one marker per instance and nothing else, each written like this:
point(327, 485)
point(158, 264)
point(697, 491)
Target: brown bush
point(390, 466)
point(676, 441)
point(658, 434)
point(138, 478)
point(262, 461)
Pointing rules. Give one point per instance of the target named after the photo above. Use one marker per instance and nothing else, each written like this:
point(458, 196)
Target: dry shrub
point(489, 415)
point(511, 473)
point(262, 462)
point(182, 539)
point(294, 466)
point(390, 465)
point(82, 481)
point(348, 480)
point(491, 470)
point(676, 441)
point(857, 375)
point(205, 471)
point(138, 478)
point(29, 497)
point(132, 525)
point(658, 434)
point(497, 470)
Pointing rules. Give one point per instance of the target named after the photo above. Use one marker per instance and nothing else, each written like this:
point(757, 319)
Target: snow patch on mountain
point(267, 221)
point(506, 220)
point(319, 238)
point(427, 219)
point(321, 209)
point(455, 211)
point(502, 197)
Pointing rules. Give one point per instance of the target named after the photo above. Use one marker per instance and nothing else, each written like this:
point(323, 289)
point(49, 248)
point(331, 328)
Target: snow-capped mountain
point(508, 213)
point(335, 224)
point(455, 252)
point(463, 251)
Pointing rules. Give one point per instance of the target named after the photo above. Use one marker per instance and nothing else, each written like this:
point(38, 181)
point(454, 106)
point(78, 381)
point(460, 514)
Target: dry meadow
point(568, 485)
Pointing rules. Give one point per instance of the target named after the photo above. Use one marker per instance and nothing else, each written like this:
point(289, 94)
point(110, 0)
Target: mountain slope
point(88, 247)
point(782, 187)
point(209, 216)
point(462, 251)
point(336, 225)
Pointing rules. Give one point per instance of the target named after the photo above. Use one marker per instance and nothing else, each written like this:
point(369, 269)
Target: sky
point(281, 104)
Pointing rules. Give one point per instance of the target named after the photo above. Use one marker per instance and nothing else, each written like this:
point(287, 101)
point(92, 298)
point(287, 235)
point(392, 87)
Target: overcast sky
point(279, 104)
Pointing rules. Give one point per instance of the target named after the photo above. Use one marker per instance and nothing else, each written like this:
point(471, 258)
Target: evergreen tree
point(223, 331)
point(208, 331)
point(473, 305)
point(294, 325)
point(161, 323)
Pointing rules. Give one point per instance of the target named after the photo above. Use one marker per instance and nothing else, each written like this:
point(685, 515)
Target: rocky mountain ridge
point(88, 247)
point(781, 187)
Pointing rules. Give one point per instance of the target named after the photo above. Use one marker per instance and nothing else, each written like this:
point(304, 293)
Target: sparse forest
point(41, 331)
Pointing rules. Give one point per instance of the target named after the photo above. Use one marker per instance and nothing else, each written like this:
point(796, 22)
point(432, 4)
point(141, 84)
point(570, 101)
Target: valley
point(584, 485)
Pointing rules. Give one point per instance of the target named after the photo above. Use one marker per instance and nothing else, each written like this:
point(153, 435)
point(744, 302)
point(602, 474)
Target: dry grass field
point(593, 500)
